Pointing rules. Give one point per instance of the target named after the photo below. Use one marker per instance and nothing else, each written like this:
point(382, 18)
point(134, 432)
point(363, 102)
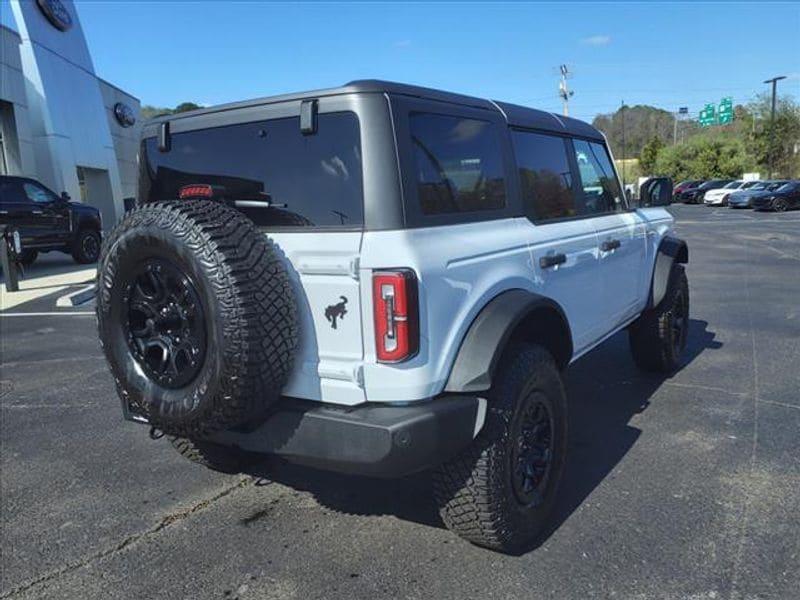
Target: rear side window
point(458, 164)
point(545, 175)
point(601, 191)
point(311, 180)
point(11, 191)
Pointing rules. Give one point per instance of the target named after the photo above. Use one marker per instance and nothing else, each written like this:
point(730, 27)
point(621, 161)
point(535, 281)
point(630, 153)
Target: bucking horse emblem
point(336, 311)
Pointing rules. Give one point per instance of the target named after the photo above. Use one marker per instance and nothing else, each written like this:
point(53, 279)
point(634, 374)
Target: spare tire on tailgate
point(196, 316)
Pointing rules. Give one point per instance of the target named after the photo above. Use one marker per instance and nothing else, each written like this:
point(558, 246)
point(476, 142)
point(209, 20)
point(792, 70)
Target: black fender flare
point(671, 250)
point(496, 323)
point(85, 221)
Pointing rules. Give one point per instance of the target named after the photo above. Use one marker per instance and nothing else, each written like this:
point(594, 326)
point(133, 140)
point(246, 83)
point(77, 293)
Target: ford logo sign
point(124, 114)
point(56, 13)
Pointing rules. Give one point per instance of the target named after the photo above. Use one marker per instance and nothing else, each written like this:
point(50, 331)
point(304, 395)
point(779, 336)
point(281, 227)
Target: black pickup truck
point(46, 221)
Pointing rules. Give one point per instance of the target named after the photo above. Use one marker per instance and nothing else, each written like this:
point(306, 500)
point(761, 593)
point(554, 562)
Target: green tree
point(185, 107)
point(151, 112)
point(647, 159)
point(704, 157)
point(778, 139)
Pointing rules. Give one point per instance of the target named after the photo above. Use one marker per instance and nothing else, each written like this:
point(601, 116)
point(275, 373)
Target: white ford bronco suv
point(382, 279)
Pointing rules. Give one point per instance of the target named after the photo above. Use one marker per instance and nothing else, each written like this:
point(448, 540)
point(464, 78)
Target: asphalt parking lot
point(686, 487)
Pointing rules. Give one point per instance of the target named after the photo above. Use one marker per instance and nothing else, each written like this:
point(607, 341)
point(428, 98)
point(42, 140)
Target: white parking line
point(48, 314)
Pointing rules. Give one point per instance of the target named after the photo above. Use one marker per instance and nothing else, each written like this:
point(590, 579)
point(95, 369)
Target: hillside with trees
point(729, 150)
point(150, 112)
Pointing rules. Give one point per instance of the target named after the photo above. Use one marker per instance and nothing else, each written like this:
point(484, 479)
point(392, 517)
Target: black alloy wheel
point(90, 246)
point(86, 246)
point(532, 455)
point(165, 327)
point(680, 323)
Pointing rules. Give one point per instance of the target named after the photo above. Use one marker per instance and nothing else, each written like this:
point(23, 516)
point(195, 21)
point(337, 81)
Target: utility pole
point(774, 81)
point(563, 89)
point(675, 131)
point(622, 114)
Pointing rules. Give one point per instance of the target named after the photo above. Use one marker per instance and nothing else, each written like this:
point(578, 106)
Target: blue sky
point(667, 54)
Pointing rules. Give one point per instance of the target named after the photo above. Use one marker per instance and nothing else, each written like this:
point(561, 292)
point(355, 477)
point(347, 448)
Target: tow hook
point(156, 434)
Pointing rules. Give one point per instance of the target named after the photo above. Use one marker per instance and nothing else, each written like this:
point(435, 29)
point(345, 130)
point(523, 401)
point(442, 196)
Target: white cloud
point(597, 40)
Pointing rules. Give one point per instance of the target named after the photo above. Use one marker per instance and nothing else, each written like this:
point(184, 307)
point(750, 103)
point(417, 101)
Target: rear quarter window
point(312, 181)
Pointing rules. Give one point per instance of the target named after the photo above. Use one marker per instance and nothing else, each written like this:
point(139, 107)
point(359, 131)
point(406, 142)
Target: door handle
point(36, 212)
point(610, 245)
point(551, 260)
point(3, 212)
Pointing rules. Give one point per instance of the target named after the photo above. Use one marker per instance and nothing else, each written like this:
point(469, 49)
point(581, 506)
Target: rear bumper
point(372, 439)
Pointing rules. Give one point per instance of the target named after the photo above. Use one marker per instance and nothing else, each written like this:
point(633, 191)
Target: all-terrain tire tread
point(470, 489)
point(650, 335)
point(254, 295)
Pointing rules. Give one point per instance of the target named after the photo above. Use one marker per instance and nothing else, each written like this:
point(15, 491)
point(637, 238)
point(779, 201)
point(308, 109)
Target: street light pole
point(622, 111)
point(774, 81)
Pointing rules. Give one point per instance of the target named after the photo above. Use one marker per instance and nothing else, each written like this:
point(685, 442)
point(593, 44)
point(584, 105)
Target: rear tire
point(658, 337)
point(499, 492)
point(213, 456)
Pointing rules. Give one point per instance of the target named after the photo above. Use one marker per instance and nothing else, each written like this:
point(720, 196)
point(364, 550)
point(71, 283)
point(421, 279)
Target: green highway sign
point(708, 116)
point(713, 114)
point(725, 113)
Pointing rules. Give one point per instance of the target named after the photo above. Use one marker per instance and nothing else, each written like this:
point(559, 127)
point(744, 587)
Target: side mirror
point(65, 197)
point(656, 191)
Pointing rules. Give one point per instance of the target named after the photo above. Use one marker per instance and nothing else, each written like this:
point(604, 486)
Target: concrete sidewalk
point(53, 272)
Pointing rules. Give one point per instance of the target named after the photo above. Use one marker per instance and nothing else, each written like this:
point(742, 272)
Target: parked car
point(684, 186)
point(412, 330)
point(744, 198)
point(784, 198)
point(695, 195)
point(48, 222)
point(720, 196)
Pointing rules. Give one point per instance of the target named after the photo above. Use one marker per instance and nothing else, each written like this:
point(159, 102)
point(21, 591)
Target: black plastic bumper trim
point(371, 439)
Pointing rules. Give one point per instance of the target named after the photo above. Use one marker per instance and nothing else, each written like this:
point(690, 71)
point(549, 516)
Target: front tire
point(28, 257)
point(86, 247)
point(779, 205)
point(499, 492)
point(658, 337)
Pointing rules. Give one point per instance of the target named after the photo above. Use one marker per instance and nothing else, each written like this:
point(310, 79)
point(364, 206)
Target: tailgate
point(323, 267)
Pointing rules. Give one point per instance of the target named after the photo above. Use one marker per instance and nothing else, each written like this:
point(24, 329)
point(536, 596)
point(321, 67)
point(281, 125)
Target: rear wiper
point(259, 200)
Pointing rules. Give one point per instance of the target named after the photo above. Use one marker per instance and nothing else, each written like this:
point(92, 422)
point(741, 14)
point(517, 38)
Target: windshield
point(733, 185)
point(776, 185)
point(787, 187)
point(752, 185)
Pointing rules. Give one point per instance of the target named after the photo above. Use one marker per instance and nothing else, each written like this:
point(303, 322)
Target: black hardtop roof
point(515, 115)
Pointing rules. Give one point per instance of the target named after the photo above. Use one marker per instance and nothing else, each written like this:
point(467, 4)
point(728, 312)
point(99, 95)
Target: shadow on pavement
point(605, 390)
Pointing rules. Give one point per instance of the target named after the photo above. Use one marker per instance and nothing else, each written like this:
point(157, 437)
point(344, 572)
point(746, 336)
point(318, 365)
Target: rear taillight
point(396, 312)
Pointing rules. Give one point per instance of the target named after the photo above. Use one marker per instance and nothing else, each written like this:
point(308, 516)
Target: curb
point(77, 298)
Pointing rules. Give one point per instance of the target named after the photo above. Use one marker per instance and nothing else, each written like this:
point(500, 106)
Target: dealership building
point(59, 122)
